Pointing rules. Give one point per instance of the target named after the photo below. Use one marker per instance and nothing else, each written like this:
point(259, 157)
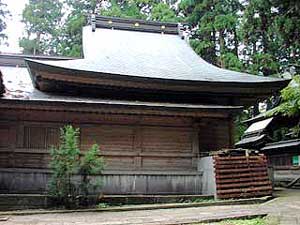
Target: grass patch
point(255, 221)
point(103, 205)
point(199, 200)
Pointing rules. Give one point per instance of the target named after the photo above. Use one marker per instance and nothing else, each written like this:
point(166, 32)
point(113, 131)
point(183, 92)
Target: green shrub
point(90, 164)
point(66, 162)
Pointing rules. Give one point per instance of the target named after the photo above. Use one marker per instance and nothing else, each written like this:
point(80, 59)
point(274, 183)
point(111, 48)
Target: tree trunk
point(236, 43)
point(222, 48)
point(264, 27)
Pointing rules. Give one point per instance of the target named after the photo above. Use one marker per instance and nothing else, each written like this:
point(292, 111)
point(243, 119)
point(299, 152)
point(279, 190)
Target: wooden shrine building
point(265, 134)
point(151, 103)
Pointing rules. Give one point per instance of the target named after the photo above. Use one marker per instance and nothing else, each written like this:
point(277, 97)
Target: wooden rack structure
point(241, 176)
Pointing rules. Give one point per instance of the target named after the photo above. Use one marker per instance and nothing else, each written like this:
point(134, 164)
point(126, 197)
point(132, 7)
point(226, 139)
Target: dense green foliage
point(290, 105)
point(70, 40)
point(90, 164)
point(256, 36)
point(66, 162)
point(4, 13)
point(42, 25)
point(290, 95)
point(216, 24)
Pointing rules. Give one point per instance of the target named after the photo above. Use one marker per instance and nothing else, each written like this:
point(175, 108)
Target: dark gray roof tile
point(151, 55)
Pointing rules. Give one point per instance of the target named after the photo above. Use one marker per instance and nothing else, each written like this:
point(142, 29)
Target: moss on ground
point(256, 221)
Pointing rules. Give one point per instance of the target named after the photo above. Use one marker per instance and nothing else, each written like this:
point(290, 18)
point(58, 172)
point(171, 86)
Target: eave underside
point(119, 107)
point(77, 82)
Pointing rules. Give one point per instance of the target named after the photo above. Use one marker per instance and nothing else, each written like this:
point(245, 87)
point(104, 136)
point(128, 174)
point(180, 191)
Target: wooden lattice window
point(40, 137)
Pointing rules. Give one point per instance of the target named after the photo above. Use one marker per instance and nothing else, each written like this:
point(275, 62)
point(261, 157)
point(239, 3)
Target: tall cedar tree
point(216, 30)
point(71, 31)
point(4, 14)
point(42, 20)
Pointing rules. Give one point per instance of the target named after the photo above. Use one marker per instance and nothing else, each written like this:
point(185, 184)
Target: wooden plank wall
point(242, 176)
point(214, 134)
point(281, 161)
point(128, 142)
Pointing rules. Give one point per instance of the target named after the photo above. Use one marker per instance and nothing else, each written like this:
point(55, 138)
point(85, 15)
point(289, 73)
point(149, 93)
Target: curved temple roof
point(150, 55)
point(121, 55)
point(20, 94)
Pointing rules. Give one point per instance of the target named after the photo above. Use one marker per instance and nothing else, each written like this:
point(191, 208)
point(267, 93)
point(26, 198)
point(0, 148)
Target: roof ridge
point(127, 19)
point(131, 24)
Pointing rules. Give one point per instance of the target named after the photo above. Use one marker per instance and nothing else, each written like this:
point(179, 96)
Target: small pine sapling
point(90, 164)
point(64, 163)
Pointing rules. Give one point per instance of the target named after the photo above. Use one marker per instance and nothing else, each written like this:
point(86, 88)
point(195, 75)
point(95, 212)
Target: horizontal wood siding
point(281, 160)
point(4, 136)
point(214, 134)
point(159, 139)
point(128, 143)
point(119, 163)
point(33, 160)
point(110, 138)
point(5, 160)
point(153, 163)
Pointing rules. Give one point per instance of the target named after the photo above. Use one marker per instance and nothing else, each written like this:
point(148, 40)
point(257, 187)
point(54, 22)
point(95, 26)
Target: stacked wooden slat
point(241, 176)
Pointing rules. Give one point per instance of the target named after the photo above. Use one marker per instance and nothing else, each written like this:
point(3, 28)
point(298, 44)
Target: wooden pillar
point(231, 130)
point(12, 144)
point(195, 144)
point(137, 146)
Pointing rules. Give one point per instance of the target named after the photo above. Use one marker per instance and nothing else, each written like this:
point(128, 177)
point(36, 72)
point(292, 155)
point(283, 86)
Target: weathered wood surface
point(24, 180)
point(242, 176)
point(214, 134)
point(283, 160)
point(2, 87)
point(151, 143)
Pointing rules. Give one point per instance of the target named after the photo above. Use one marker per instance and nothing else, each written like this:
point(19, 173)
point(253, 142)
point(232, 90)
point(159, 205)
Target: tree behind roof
point(215, 25)
point(4, 14)
point(42, 20)
point(71, 30)
point(256, 36)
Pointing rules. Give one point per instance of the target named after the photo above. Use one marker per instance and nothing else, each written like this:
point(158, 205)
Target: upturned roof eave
point(259, 87)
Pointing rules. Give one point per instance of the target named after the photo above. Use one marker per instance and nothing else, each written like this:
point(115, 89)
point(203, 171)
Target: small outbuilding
point(283, 152)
